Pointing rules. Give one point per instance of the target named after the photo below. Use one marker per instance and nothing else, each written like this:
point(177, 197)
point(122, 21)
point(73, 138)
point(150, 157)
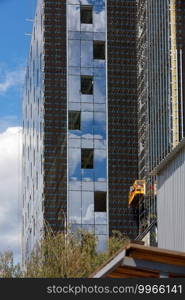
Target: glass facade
point(87, 145)
point(44, 181)
point(33, 142)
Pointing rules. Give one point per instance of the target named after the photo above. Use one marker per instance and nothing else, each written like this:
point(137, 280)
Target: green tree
point(61, 255)
point(7, 267)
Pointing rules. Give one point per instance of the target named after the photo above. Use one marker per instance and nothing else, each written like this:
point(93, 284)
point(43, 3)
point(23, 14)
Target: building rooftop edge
point(174, 152)
point(150, 253)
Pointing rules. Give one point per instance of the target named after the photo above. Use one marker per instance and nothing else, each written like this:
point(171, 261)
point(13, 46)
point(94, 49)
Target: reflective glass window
point(87, 85)
point(88, 227)
point(74, 93)
point(98, 50)
point(87, 208)
point(87, 56)
point(87, 158)
point(75, 206)
point(99, 18)
point(74, 164)
point(102, 243)
point(101, 229)
point(99, 87)
point(87, 124)
point(74, 120)
point(86, 14)
point(74, 16)
point(87, 175)
point(74, 53)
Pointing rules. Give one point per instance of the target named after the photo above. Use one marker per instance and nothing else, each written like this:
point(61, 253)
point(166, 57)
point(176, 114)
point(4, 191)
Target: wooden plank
point(174, 275)
point(156, 255)
point(123, 272)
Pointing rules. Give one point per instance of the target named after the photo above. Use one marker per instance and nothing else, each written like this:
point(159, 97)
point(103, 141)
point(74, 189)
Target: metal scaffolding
point(174, 75)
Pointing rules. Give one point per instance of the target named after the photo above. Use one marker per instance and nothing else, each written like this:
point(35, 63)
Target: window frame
point(96, 44)
point(90, 164)
point(99, 206)
point(72, 121)
point(89, 90)
point(84, 8)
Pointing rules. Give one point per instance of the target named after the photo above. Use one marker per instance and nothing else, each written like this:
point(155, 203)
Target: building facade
point(160, 93)
point(170, 165)
point(170, 199)
point(80, 120)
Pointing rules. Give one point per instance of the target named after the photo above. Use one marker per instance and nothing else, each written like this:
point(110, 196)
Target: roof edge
point(174, 152)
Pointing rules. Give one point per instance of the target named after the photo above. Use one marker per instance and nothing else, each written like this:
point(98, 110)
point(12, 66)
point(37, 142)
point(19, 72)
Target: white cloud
point(10, 178)
point(9, 79)
point(88, 136)
point(75, 159)
point(87, 218)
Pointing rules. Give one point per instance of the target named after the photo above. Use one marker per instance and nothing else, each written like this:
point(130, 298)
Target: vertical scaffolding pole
point(174, 75)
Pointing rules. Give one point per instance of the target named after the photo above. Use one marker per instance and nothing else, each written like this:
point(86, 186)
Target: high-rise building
point(80, 140)
point(169, 163)
point(161, 97)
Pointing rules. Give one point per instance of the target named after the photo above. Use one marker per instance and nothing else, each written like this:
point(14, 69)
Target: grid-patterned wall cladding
point(160, 51)
point(122, 115)
point(166, 45)
point(142, 87)
point(158, 80)
point(147, 207)
point(180, 20)
point(142, 109)
point(55, 113)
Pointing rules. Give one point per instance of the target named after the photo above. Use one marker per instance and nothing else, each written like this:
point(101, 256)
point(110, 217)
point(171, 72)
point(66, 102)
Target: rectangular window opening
point(86, 15)
point(87, 158)
point(87, 85)
point(74, 120)
point(100, 202)
point(98, 50)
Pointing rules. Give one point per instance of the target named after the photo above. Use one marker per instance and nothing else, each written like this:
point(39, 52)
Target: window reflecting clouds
point(74, 88)
point(75, 207)
point(74, 53)
point(87, 207)
point(87, 94)
point(74, 17)
point(86, 54)
point(87, 123)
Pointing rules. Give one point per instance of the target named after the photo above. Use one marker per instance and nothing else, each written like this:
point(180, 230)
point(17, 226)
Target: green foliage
point(61, 255)
point(116, 242)
point(7, 267)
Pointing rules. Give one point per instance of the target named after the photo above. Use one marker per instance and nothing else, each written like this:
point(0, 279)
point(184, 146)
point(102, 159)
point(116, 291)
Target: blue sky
point(14, 48)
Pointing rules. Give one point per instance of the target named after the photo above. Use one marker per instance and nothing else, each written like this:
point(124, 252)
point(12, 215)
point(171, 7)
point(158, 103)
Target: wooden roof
point(136, 261)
